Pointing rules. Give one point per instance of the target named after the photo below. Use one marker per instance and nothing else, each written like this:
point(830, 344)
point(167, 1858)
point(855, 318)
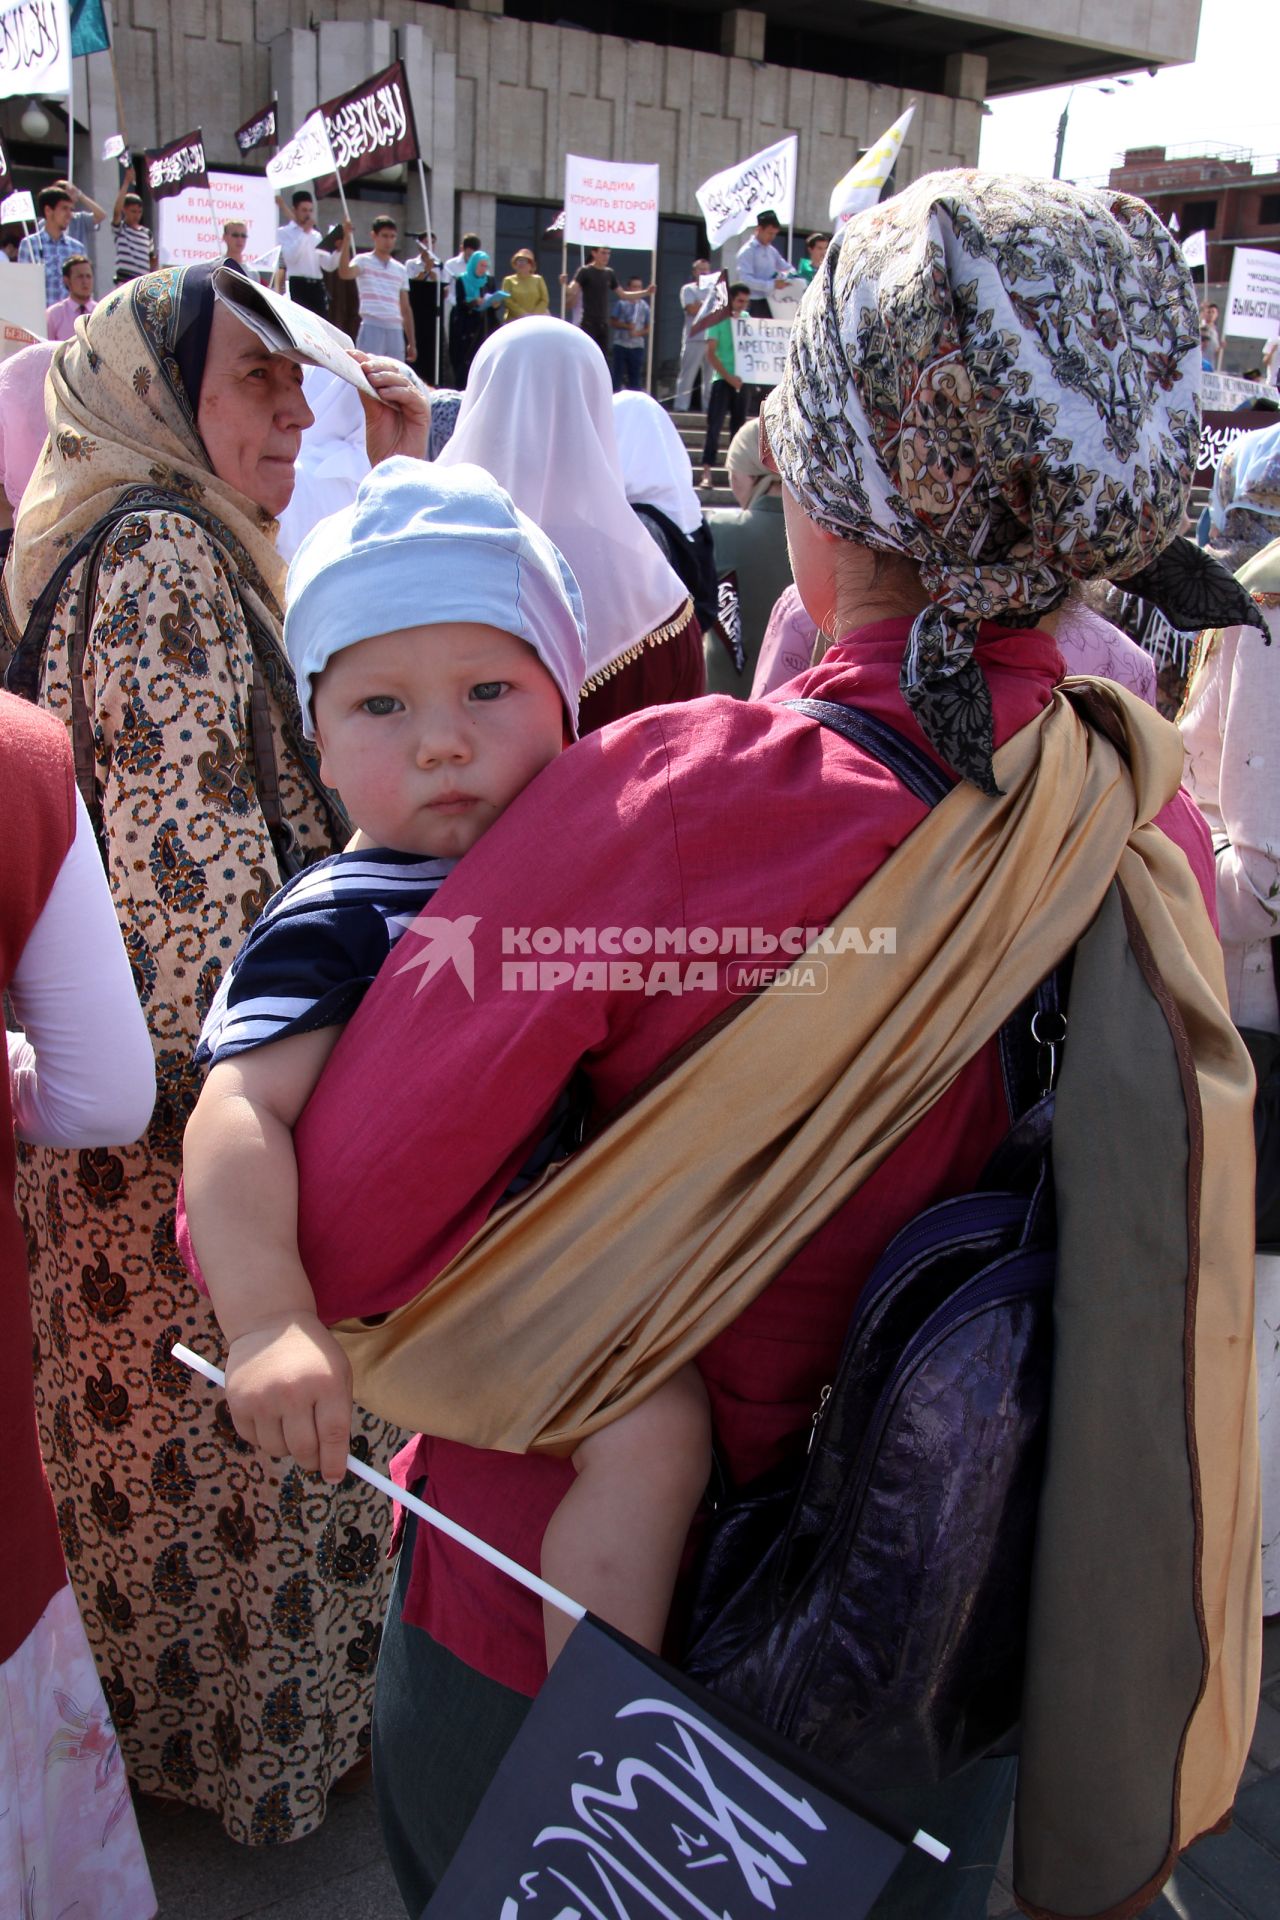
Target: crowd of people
point(500, 687)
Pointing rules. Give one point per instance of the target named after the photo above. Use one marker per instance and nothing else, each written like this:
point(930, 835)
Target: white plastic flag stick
point(433, 1518)
point(561, 1601)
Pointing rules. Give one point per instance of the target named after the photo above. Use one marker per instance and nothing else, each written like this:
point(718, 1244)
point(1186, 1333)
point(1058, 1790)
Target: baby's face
point(430, 732)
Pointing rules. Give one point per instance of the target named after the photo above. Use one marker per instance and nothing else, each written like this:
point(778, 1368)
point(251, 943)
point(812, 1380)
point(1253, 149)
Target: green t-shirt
point(721, 337)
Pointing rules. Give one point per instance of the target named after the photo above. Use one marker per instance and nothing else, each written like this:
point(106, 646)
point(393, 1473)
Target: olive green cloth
point(752, 543)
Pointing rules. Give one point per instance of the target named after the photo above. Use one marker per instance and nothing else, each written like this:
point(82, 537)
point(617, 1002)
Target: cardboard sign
point(35, 48)
point(609, 205)
point(189, 224)
point(760, 350)
point(1218, 431)
point(1253, 296)
point(22, 288)
point(285, 327)
point(784, 302)
point(370, 128)
point(628, 1790)
point(730, 200)
point(18, 206)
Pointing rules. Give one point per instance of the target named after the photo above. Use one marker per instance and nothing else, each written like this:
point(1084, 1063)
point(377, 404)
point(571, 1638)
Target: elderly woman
point(751, 543)
point(538, 415)
point(930, 549)
point(234, 1617)
point(525, 288)
point(1230, 724)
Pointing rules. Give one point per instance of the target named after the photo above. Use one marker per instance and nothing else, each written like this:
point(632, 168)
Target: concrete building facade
point(500, 94)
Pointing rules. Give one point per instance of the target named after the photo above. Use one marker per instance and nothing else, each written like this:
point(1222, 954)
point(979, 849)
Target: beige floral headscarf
point(119, 418)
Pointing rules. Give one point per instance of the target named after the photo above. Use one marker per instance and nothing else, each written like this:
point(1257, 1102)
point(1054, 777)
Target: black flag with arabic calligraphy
point(258, 131)
point(174, 168)
point(629, 1790)
point(370, 128)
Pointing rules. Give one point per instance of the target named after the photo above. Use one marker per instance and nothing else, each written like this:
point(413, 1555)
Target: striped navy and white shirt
point(312, 957)
point(133, 250)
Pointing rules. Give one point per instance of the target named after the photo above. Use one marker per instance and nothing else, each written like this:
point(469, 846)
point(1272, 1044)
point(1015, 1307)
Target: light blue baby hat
point(422, 545)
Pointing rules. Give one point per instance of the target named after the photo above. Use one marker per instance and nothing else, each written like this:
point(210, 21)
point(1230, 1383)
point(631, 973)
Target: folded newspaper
point(285, 327)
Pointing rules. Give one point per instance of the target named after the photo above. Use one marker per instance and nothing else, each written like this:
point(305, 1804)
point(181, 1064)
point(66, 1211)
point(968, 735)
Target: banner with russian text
point(189, 223)
point(174, 168)
point(731, 200)
point(608, 203)
point(1253, 296)
point(35, 48)
point(260, 131)
point(370, 128)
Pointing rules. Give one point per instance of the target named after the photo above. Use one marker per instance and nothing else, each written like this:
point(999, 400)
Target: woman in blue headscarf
point(477, 298)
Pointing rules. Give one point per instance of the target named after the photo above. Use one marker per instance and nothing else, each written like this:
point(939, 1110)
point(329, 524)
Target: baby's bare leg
point(615, 1540)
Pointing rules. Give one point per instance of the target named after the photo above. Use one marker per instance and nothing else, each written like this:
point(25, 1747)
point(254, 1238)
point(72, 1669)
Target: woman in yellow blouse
point(525, 289)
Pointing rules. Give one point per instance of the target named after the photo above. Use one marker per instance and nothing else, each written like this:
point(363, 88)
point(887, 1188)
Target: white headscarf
point(331, 461)
point(655, 460)
point(538, 415)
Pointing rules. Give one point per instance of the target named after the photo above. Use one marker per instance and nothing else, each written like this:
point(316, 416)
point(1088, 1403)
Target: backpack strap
point(917, 772)
point(1031, 1038)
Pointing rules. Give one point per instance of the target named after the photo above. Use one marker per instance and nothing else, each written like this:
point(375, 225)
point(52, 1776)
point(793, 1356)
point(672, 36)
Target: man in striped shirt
point(386, 318)
point(135, 251)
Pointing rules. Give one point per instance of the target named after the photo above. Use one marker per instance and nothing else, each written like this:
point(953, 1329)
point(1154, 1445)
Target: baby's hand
point(289, 1391)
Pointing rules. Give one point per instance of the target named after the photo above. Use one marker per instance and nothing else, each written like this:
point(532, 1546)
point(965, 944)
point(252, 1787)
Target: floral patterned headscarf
point(121, 415)
point(1244, 506)
point(999, 378)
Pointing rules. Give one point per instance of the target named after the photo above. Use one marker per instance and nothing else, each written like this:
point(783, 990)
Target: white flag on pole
point(113, 146)
point(308, 156)
point(731, 200)
point(35, 48)
point(17, 206)
point(865, 180)
point(1193, 249)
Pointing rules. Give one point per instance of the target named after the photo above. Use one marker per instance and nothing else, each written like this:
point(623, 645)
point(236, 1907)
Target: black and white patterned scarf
point(999, 378)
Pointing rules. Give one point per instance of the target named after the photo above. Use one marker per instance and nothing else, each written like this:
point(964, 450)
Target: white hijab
point(538, 415)
point(655, 460)
point(331, 461)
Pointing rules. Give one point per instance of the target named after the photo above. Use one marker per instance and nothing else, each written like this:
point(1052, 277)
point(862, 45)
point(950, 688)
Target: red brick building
point(1224, 195)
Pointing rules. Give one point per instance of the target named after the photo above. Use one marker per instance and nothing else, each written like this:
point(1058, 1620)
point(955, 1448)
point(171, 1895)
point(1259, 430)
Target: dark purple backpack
point(869, 1601)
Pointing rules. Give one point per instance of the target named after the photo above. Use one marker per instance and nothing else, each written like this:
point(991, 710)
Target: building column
point(742, 34)
point(965, 76)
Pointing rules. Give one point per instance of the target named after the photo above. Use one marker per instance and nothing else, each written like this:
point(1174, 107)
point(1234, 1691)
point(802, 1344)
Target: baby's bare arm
point(288, 1381)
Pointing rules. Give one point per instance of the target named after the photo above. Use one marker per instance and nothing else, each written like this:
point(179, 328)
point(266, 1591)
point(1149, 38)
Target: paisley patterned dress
point(234, 1609)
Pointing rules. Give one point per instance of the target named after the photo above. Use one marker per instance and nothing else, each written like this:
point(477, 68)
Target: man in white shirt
point(693, 352)
point(759, 265)
point(386, 318)
point(302, 258)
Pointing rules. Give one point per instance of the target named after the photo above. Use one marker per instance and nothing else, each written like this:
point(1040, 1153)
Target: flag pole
point(71, 121)
point(564, 268)
point(426, 216)
point(653, 302)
